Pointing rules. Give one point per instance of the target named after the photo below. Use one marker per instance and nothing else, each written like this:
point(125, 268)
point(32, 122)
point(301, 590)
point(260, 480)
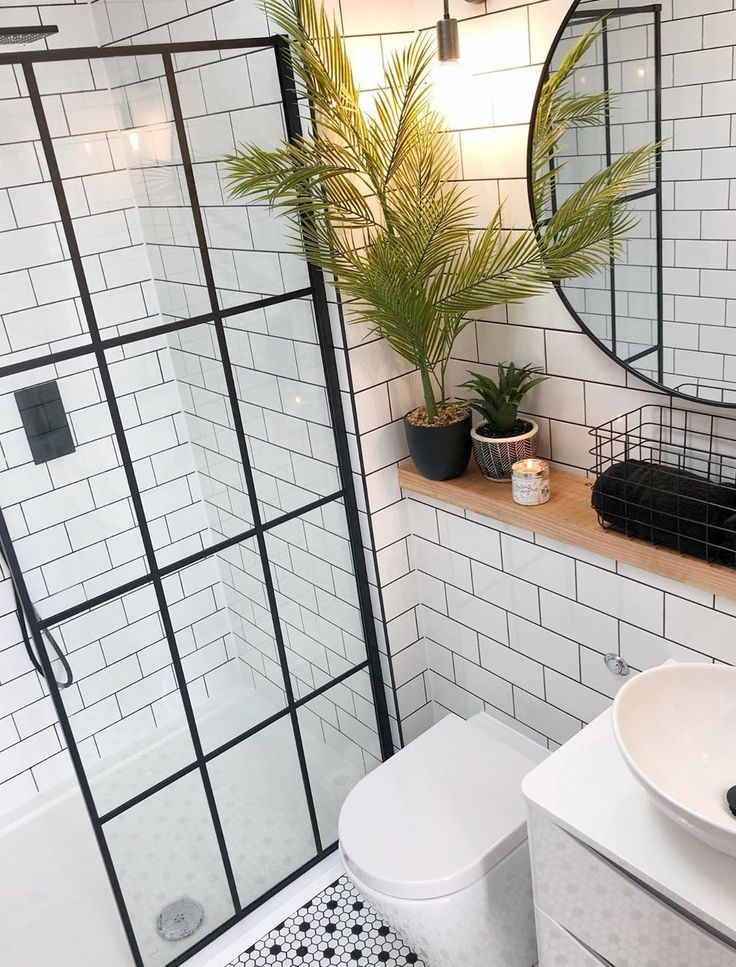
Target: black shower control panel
point(44, 421)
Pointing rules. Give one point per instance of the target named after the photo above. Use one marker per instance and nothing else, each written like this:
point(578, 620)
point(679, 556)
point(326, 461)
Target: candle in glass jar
point(530, 482)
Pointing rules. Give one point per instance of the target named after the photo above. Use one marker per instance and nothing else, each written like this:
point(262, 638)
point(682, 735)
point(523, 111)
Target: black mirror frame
point(656, 9)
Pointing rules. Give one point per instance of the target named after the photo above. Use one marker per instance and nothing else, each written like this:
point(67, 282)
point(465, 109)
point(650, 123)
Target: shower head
point(26, 35)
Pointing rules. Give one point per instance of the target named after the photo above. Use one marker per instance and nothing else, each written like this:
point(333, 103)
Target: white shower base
point(56, 905)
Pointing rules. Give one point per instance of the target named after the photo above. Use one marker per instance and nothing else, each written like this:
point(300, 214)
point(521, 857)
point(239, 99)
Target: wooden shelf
point(568, 517)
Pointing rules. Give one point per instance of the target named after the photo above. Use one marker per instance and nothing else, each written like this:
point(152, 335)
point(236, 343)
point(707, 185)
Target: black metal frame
point(155, 573)
point(593, 16)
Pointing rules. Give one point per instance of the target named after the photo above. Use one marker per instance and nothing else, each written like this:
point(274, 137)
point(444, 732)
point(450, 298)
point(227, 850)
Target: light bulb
point(452, 93)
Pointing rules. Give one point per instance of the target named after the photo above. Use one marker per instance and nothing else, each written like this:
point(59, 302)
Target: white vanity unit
point(616, 882)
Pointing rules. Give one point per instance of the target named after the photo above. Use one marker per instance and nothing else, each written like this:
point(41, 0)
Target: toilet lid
point(442, 812)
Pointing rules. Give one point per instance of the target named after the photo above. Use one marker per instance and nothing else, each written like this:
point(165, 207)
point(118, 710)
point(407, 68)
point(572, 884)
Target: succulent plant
point(498, 401)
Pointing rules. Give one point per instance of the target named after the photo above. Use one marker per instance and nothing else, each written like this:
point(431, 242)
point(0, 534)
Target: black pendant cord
point(56, 647)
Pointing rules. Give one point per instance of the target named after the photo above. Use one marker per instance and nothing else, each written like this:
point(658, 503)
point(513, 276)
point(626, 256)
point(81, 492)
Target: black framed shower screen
point(97, 348)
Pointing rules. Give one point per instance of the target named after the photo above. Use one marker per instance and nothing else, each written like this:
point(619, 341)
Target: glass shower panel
point(40, 304)
point(153, 156)
point(71, 518)
point(164, 850)
point(228, 99)
point(200, 375)
point(648, 365)
point(184, 454)
point(224, 635)
point(591, 298)
point(341, 745)
point(317, 597)
point(620, 304)
point(245, 591)
point(92, 164)
point(262, 804)
point(163, 459)
point(582, 149)
point(124, 706)
point(213, 737)
point(135, 229)
point(281, 389)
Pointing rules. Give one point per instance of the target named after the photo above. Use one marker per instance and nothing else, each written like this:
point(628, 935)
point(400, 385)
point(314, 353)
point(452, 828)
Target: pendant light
point(448, 36)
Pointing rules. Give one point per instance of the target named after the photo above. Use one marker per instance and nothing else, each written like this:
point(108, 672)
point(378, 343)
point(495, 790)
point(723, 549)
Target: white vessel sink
point(676, 728)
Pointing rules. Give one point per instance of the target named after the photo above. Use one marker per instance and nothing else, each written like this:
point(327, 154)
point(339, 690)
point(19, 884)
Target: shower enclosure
point(177, 506)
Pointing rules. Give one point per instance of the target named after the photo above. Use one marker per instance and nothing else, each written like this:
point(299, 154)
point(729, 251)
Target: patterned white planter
point(496, 457)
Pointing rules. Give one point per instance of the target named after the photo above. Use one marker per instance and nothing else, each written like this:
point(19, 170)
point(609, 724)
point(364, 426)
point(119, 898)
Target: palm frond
point(375, 201)
point(403, 107)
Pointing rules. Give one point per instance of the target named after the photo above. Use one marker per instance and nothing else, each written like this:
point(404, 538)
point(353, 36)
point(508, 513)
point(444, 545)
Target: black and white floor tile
point(337, 927)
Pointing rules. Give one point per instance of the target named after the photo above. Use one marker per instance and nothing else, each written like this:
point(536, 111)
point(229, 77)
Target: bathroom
point(285, 678)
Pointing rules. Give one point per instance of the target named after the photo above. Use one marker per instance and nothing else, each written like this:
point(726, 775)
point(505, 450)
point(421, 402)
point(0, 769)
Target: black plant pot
point(440, 452)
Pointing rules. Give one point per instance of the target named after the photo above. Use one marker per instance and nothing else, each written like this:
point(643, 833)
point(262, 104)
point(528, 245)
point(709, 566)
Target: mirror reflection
point(665, 306)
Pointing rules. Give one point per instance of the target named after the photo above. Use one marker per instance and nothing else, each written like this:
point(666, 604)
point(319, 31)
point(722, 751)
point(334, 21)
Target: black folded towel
point(668, 506)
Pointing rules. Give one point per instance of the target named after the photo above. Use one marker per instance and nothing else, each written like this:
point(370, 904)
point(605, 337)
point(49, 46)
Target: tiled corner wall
point(76, 28)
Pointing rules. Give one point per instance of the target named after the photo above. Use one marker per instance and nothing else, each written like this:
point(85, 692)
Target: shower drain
point(180, 919)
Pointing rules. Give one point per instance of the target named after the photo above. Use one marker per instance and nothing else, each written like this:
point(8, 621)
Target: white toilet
point(435, 839)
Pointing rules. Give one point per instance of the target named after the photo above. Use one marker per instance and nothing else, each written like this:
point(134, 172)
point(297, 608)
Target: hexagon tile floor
point(336, 927)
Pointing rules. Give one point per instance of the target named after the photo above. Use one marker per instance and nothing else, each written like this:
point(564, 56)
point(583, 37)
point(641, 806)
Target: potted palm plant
point(375, 201)
point(502, 437)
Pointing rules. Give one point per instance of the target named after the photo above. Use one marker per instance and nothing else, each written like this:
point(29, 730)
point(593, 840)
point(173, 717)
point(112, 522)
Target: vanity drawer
point(557, 948)
point(611, 914)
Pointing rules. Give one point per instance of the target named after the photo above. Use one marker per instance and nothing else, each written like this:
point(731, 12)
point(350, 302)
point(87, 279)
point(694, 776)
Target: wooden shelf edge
point(569, 518)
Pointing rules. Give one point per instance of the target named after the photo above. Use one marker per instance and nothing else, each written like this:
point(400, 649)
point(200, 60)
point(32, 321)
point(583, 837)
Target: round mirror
point(665, 305)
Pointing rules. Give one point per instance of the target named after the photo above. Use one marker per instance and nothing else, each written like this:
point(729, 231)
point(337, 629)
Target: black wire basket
point(668, 476)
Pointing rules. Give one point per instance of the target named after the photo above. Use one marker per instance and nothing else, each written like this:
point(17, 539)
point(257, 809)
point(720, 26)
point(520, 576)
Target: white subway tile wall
point(525, 638)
